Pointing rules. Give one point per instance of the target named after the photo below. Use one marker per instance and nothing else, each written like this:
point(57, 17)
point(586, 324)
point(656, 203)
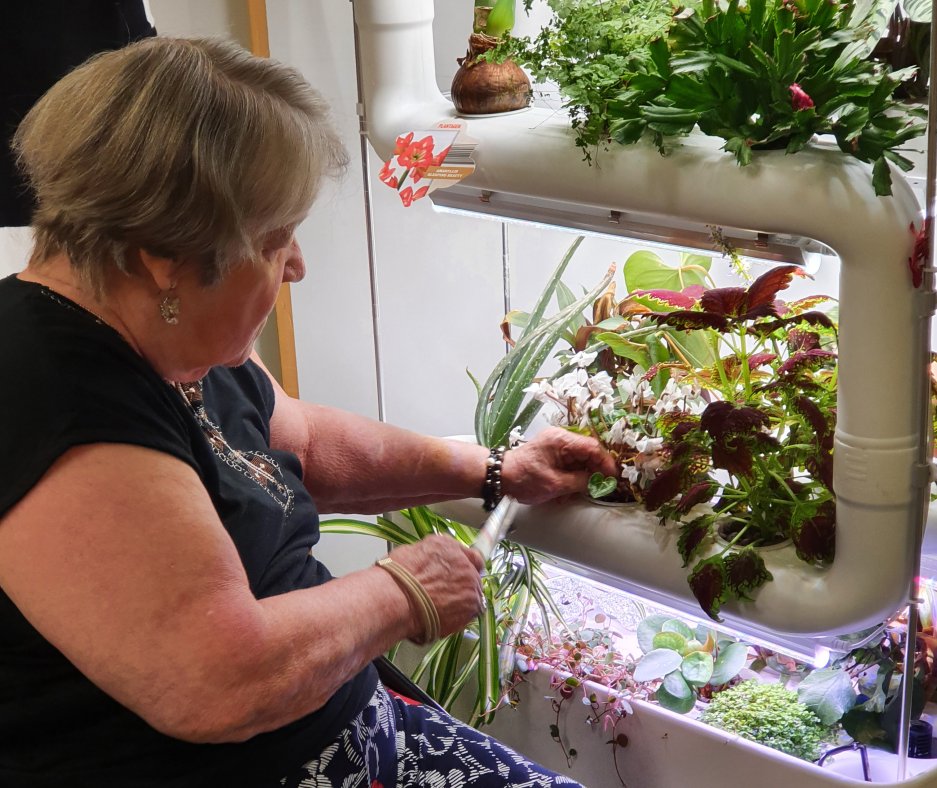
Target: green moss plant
point(768, 714)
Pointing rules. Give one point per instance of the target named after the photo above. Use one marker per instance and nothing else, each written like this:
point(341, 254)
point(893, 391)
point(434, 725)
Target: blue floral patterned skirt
point(396, 744)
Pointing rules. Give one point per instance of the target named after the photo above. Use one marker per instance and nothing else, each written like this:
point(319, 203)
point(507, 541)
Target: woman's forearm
point(355, 464)
point(297, 652)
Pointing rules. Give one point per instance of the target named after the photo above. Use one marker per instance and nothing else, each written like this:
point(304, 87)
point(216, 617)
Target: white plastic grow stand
point(817, 194)
point(528, 161)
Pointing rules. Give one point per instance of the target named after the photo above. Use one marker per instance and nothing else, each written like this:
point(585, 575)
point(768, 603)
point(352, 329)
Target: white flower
point(630, 473)
point(583, 359)
point(541, 390)
point(602, 393)
point(649, 463)
point(601, 383)
point(570, 384)
point(557, 418)
point(648, 445)
point(616, 434)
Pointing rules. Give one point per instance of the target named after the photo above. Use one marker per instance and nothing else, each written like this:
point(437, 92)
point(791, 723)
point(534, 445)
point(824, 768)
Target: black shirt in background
point(67, 379)
point(40, 42)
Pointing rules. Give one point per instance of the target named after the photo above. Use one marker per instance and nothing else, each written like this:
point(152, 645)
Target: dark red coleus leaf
point(814, 319)
point(764, 443)
point(821, 466)
point(699, 492)
point(708, 583)
point(799, 339)
point(811, 411)
point(692, 535)
point(734, 456)
point(722, 418)
point(726, 301)
point(686, 320)
point(732, 364)
point(745, 571)
point(805, 359)
point(758, 300)
point(811, 318)
point(756, 360)
point(763, 291)
point(668, 484)
point(815, 537)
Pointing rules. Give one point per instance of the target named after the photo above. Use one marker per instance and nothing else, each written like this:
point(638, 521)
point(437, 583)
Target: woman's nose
point(295, 268)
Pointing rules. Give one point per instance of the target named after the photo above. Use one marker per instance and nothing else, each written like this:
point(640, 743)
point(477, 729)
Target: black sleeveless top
point(68, 379)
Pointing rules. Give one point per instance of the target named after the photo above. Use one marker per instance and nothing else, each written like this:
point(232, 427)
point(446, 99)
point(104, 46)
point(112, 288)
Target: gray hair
point(192, 149)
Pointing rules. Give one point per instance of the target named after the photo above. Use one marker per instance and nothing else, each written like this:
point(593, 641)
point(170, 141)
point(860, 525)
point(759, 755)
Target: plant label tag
point(424, 161)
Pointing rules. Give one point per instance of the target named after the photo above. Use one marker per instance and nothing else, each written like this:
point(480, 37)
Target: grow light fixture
point(663, 232)
point(815, 652)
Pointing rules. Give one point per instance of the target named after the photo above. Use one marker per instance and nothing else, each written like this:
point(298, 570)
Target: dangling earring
point(169, 307)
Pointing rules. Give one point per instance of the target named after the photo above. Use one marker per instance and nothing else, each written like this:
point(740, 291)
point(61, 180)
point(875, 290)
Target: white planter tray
point(667, 750)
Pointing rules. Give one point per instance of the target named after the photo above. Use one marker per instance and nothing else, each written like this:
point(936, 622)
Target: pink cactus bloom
point(799, 98)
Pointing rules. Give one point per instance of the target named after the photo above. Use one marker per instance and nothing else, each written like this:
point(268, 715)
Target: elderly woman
point(165, 620)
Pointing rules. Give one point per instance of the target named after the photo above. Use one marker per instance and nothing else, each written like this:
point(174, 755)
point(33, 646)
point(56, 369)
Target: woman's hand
point(450, 574)
point(554, 464)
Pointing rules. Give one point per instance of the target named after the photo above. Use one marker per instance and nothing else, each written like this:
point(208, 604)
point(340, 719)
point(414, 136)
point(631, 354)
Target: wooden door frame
point(283, 311)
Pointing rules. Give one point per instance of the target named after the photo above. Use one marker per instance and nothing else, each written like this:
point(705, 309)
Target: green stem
point(720, 368)
point(742, 531)
point(743, 358)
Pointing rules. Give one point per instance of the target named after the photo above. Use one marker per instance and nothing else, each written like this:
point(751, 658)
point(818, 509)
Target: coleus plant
point(615, 382)
point(754, 468)
point(719, 404)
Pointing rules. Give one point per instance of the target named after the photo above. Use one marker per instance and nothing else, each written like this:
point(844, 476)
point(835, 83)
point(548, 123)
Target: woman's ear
point(162, 271)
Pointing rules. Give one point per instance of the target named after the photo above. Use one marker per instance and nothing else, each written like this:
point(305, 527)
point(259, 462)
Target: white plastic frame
point(819, 194)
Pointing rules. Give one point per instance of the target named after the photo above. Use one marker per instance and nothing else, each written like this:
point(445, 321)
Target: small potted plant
point(769, 714)
point(690, 664)
point(755, 467)
point(485, 85)
point(719, 403)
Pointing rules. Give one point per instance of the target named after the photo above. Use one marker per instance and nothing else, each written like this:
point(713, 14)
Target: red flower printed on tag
point(415, 158)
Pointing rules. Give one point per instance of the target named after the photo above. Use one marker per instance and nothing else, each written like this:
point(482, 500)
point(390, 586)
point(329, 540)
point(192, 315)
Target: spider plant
point(484, 653)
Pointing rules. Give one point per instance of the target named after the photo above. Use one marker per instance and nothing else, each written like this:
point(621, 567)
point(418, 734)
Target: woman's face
point(223, 321)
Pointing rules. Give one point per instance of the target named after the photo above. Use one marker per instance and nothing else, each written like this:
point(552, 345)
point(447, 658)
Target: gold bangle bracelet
point(417, 594)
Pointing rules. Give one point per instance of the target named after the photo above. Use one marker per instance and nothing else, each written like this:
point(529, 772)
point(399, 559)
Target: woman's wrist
point(423, 610)
point(492, 487)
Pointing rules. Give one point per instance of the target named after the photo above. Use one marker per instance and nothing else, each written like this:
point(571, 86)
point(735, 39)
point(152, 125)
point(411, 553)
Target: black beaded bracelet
point(491, 489)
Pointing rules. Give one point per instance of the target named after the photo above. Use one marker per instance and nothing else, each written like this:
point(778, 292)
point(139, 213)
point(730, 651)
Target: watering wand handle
point(495, 527)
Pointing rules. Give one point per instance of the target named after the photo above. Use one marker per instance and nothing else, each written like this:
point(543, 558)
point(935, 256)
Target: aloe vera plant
point(501, 399)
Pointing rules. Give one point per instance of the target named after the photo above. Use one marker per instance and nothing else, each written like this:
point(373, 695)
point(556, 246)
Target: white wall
point(201, 18)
